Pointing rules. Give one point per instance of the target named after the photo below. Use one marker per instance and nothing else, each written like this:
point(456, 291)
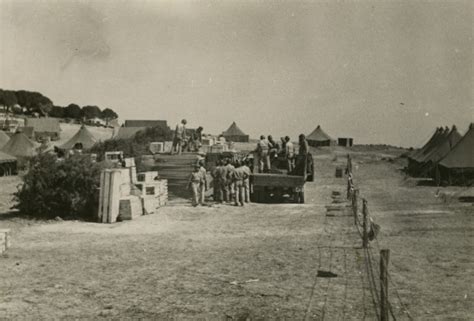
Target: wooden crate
point(130, 208)
point(147, 177)
point(157, 147)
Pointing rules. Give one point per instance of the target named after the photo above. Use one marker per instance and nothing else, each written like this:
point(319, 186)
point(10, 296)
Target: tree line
point(23, 102)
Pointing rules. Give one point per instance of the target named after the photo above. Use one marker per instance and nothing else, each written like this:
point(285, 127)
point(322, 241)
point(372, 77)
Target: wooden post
point(384, 257)
point(365, 236)
point(355, 204)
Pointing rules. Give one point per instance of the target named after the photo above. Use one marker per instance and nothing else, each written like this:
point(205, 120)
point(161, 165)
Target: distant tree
point(8, 99)
point(24, 98)
point(108, 114)
point(72, 111)
point(57, 111)
point(90, 112)
point(34, 102)
point(41, 104)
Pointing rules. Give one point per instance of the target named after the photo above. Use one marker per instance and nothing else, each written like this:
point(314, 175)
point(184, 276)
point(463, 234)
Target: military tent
point(416, 152)
point(235, 134)
point(8, 164)
point(83, 139)
point(319, 138)
point(416, 161)
point(4, 138)
point(428, 167)
point(458, 165)
point(20, 146)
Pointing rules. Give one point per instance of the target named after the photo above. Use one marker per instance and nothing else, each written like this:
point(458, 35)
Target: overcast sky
point(379, 71)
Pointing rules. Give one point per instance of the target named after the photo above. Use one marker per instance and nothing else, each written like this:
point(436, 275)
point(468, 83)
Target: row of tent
point(447, 157)
point(20, 146)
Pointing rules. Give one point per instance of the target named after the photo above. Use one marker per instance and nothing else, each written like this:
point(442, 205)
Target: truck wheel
point(301, 198)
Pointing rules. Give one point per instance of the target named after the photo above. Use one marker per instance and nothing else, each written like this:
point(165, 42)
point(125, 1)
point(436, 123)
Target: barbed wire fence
point(368, 231)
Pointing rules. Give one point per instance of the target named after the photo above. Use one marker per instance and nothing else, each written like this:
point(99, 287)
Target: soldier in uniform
point(195, 181)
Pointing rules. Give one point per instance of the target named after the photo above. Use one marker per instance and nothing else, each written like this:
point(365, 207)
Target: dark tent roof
point(83, 136)
point(462, 154)
point(318, 135)
point(233, 130)
point(417, 152)
point(4, 138)
point(127, 132)
point(146, 123)
point(444, 146)
point(5, 158)
point(443, 133)
point(44, 124)
point(20, 146)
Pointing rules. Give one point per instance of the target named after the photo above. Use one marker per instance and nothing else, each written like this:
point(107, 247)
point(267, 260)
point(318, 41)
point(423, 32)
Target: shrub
point(66, 188)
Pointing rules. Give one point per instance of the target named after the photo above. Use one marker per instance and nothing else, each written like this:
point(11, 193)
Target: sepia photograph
point(237, 160)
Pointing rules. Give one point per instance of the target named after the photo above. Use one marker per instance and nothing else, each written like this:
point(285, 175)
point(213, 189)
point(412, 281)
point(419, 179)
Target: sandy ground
point(259, 262)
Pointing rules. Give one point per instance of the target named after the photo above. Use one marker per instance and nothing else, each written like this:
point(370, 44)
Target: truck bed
point(277, 180)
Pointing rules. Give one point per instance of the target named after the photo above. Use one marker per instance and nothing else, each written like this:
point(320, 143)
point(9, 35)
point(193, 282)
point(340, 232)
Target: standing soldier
point(203, 186)
point(179, 137)
point(195, 181)
point(262, 154)
point(247, 170)
point(289, 154)
point(239, 175)
point(304, 147)
point(223, 181)
point(217, 192)
point(230, 184)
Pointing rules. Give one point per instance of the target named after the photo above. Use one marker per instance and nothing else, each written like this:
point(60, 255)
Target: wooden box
point(157, 147)
point(147, 177)
point(130, 208)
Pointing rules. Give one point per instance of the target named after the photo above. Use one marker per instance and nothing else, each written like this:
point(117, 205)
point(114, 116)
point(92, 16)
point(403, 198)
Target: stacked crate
point(115, 199)
point(154, 191)
point(163, 192)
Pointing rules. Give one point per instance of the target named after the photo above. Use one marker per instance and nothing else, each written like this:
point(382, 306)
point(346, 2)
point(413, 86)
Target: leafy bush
point(66, 188)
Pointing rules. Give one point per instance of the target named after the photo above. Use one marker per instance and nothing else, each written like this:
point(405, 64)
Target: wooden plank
point(106, 196)
point(101, 197)
point(115, 196)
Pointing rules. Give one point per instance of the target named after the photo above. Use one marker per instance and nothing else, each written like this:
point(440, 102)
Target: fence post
point(384, 257)
point(365, 236)
point(349, 187)
point(355, 204)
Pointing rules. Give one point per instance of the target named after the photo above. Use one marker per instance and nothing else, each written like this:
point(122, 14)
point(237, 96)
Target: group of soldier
point(267, 150)
point(182, 141)
point(230, 182)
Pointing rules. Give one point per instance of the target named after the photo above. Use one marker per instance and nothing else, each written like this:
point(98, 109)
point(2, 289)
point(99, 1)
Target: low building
point(345, 141)
point(127, 132)
point(146, 123)
point(44, 127)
